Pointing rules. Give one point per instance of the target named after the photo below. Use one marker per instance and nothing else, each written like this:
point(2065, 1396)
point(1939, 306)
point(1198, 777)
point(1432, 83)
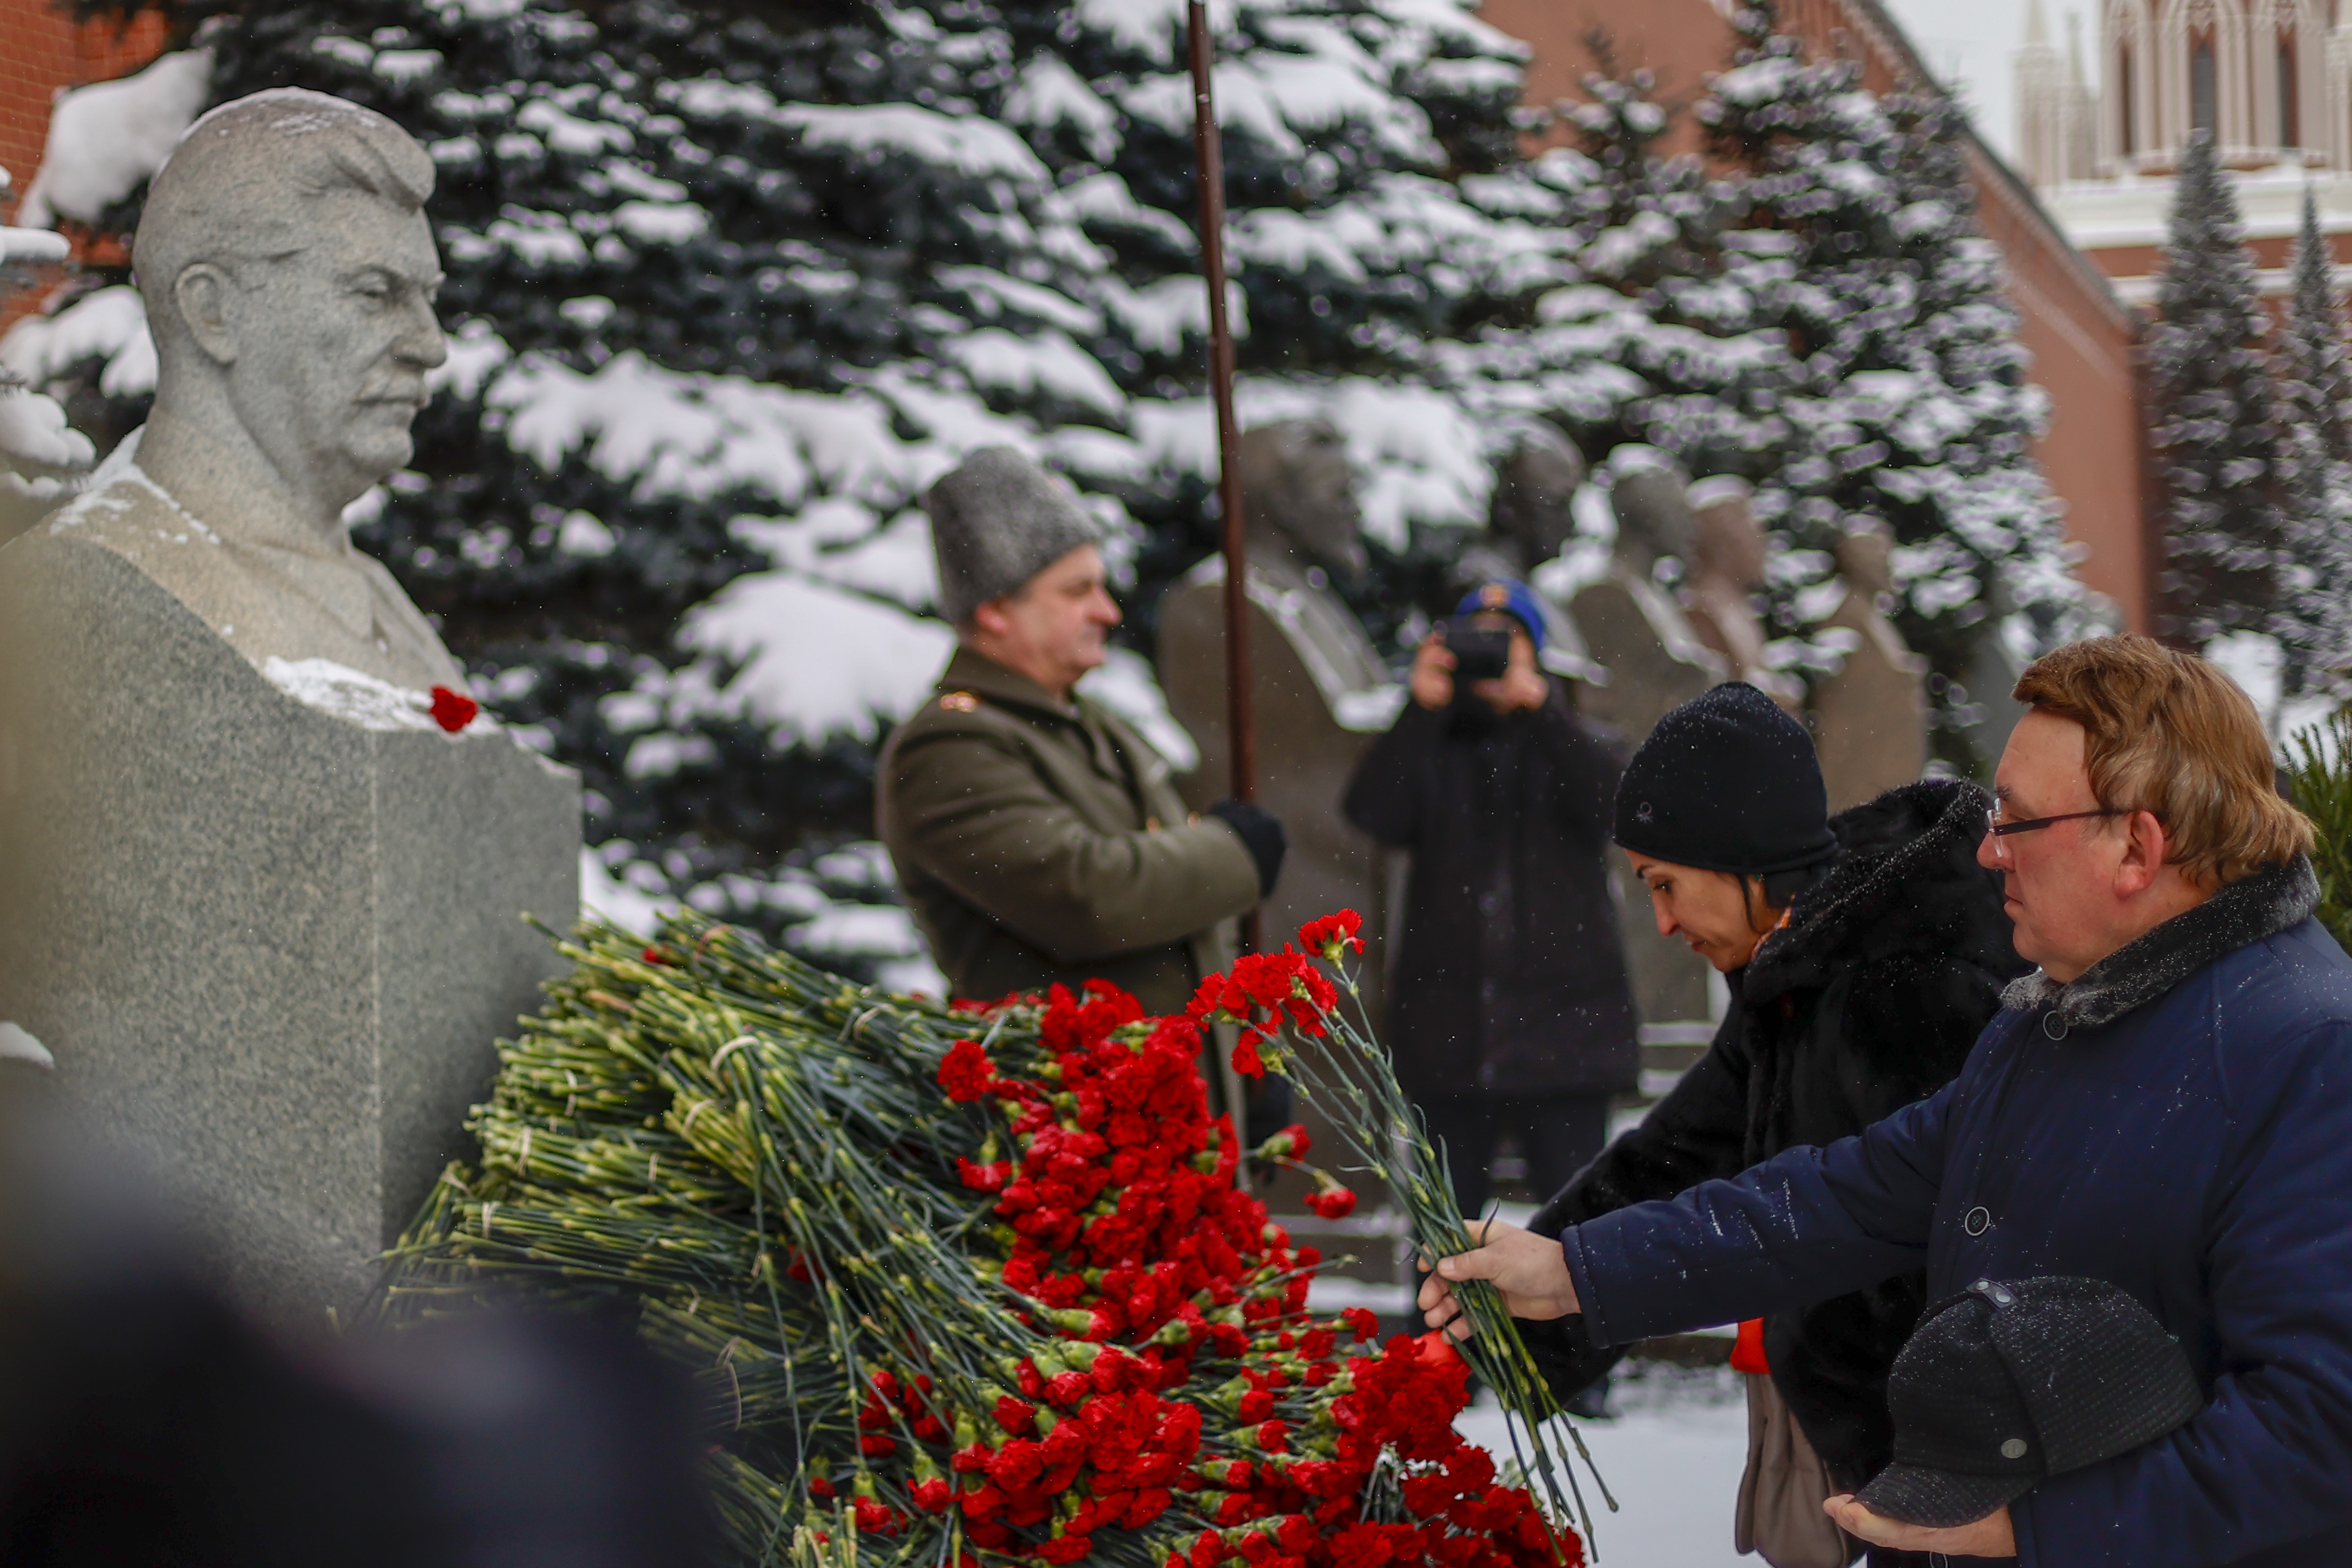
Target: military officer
point(1037, 837)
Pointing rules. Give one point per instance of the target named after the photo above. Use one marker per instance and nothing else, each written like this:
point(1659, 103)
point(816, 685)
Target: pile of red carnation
point(976, 1280)
point(1195, 1387)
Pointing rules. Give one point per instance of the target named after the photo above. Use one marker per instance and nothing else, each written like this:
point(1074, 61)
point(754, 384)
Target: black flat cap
point(2011, 1381)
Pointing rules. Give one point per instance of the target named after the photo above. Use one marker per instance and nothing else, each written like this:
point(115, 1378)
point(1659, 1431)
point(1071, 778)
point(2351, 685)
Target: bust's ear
point(200, 293)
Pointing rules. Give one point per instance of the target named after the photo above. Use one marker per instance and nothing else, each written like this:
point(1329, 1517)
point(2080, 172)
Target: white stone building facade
point(2271, 80)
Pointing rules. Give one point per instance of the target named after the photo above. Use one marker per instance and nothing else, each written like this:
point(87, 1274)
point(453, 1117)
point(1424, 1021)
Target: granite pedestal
point(1870, 718)
point(269, 947)
point(1655, 664)
point(1320, 697)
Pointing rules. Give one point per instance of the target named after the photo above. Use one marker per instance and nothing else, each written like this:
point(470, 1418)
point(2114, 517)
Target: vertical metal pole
point(1208, 156)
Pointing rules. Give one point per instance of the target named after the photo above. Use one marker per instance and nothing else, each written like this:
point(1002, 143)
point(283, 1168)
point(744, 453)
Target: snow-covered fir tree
point(2211, 416)
point(38, 448)
point(1824, 319)
point(1645, 218)
point(2314, 381)
point(1903, 401)
point(1656, 230)
point(730, 286)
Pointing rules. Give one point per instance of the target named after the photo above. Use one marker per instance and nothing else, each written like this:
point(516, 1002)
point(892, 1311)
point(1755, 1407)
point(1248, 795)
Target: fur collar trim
point(1907, 883)
point(2242, 913)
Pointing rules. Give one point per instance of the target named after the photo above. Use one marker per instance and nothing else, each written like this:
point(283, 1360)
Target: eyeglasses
point(2001, 830)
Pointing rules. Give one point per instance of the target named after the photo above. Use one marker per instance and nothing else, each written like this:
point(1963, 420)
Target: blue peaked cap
point(1511, 597)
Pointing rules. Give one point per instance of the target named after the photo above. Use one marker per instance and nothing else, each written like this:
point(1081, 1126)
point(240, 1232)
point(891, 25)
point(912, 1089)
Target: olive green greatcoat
point(1039, 841)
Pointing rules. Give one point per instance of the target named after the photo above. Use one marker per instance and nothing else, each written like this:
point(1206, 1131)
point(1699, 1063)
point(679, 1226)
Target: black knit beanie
point(1726, 781)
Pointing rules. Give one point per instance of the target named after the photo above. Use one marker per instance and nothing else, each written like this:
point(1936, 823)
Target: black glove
point(1262, 836)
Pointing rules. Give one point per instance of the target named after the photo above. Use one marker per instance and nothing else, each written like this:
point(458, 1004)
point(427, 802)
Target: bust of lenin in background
point(288, 275)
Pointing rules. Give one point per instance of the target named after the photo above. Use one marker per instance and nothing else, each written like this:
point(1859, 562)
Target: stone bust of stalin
point(288, 274)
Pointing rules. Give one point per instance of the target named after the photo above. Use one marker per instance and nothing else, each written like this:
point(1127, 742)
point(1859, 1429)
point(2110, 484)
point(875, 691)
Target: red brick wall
point(1679, 40)
point(42, 50)
point(2270, 251)
point(2081, 342)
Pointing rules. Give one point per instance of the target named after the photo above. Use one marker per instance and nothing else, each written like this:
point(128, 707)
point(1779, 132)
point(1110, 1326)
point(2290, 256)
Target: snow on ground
point(860, 929)
point(1672, 1457)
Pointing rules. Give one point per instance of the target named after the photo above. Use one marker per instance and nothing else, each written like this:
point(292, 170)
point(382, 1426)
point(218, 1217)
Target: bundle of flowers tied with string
point(974, 1284)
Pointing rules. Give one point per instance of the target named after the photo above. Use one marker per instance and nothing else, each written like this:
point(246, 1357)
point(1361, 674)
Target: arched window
point(2202, 115)
point(2290, 111)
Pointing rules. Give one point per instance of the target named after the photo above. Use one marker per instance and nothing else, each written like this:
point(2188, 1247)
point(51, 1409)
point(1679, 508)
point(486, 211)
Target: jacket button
point(1976, 1221)
point(2054, 1025)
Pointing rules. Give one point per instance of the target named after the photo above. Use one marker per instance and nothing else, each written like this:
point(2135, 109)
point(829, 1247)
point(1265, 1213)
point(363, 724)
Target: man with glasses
point(2165, 1105)
point(1861, 955)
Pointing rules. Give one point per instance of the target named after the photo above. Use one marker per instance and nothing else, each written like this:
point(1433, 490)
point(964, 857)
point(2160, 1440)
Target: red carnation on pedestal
point(453, 710)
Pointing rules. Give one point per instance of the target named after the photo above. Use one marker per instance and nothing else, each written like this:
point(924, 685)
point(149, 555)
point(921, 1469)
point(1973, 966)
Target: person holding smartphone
point(1510, 1014)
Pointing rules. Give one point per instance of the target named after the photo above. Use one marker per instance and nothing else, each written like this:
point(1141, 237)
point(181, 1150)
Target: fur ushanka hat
point(996, 521)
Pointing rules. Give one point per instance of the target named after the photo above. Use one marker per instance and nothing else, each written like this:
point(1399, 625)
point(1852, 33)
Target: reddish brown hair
point(2167, 732)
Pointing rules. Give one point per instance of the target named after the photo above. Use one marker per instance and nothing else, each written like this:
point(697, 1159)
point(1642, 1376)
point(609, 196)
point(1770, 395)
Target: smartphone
point(1478, 655)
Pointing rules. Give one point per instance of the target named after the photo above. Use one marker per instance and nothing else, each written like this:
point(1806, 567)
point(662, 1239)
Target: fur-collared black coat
point(1868, 999)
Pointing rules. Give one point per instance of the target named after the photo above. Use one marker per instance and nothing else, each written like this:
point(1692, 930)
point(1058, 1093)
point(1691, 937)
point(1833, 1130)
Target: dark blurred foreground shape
point(144, 1422)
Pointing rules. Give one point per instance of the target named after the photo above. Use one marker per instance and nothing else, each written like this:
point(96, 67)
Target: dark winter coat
point(1509, 978)
point(2177, 1122)
point(1868, 999)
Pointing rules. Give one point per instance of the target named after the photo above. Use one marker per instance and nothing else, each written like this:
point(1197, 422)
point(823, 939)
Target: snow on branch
point(107, 139)
point(674, 432)
point(108, 324)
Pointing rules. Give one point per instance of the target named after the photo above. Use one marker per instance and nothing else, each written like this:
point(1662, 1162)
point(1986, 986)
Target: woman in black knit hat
point(1726, 784)
point(1864, 954)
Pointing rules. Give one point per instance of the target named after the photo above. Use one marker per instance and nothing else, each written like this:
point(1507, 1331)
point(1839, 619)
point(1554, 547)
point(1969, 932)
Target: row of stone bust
point(1635, 649)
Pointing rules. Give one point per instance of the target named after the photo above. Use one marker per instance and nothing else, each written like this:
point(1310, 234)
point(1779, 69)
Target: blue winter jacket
point(2179, 1121)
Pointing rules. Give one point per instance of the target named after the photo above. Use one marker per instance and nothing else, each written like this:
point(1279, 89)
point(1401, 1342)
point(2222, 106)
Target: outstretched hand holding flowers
point(1529, 1271)
point(1486, 1275)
